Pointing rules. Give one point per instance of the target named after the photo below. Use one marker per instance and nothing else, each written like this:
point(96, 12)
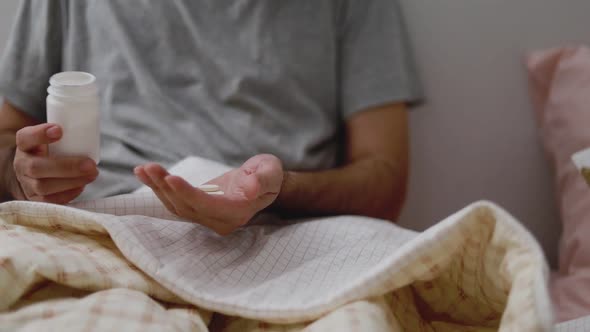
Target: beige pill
point(215, 193)
point(209, 187)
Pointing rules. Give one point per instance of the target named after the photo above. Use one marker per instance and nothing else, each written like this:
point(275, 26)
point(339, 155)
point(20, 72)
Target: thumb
point(270, 175)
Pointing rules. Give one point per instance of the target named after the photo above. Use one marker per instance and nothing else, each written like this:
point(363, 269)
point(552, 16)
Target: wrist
point(287, 185)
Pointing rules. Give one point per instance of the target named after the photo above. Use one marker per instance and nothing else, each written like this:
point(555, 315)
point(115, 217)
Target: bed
point(474, 137)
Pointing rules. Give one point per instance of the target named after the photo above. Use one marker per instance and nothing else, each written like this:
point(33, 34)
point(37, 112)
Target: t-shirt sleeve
point(33, 53)
point(376, 63)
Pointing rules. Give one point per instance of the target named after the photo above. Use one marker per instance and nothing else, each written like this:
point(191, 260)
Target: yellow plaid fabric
point(478, 270)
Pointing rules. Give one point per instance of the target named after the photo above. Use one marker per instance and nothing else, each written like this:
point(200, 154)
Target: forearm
point(369, 187)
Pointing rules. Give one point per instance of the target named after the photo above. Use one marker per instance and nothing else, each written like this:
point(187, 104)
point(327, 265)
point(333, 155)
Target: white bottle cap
point(72, 84)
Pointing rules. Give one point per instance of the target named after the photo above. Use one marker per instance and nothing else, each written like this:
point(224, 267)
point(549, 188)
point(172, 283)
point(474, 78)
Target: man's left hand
point(247, 190)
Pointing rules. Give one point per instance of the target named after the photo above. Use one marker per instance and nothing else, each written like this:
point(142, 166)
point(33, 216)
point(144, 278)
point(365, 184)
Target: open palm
point(246, 191)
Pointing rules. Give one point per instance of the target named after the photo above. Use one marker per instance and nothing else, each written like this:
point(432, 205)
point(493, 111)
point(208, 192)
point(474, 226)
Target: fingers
point(248, 190)
point(156, 174)
point(183, 194)
point(142, 176)
point(47, 187)
point(187, 199)
point(155, 171)
point(49, 179)
point(179, 199)
point(179, 185)
point(49, 167)
point(186, 192)
point(59, 198)
point(219, 214)
point(30, 138)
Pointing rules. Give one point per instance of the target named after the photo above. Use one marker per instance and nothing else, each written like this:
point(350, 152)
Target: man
point(314, 90)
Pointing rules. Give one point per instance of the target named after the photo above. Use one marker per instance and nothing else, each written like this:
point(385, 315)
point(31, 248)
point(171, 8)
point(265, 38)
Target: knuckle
point(94, 174)
point(21, 136)
point(68, 165)
point(83, 181)
point(18, 165)
point(28, 136)
point(37, 186)
point(25, 186)
point(23, 166)
point(33, 167)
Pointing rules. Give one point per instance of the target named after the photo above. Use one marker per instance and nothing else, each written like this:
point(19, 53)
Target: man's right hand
point(44, 178)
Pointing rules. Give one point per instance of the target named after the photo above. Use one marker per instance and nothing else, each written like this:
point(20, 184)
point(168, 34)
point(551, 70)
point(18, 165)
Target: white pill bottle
point(72, 103)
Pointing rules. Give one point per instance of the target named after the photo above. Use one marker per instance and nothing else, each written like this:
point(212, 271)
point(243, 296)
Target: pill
point(215, 193)
point(209, 187)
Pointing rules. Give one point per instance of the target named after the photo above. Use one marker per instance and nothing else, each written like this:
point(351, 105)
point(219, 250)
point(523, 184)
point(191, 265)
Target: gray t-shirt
point(221, 79)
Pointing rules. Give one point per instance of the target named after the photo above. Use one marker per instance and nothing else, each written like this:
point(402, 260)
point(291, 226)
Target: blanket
point(97, 266)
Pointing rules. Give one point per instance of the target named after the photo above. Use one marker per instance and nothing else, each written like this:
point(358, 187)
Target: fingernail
point(87, 166)
point(53, 132)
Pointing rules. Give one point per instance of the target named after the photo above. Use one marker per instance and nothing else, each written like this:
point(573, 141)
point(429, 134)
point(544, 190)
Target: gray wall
point(475, 137)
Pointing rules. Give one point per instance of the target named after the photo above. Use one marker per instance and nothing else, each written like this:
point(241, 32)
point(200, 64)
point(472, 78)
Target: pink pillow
point(560, 86)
